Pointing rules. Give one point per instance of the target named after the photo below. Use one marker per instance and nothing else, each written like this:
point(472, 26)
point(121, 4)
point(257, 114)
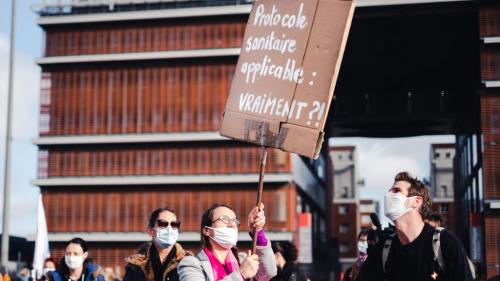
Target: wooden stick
point(263, 157)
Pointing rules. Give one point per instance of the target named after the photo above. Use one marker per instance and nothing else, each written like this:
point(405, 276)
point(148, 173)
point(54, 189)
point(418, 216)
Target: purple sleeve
point(261, 238)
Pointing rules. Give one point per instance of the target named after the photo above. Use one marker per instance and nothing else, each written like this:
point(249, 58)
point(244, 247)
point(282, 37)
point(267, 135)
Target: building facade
point(366, 208)
point(345, 211)
point(441, 175)
point(131, 98)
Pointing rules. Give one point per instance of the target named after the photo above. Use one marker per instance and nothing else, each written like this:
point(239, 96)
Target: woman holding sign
point(218, 258)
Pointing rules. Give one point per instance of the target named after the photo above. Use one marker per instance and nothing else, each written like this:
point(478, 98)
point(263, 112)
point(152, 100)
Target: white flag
point(42, 241)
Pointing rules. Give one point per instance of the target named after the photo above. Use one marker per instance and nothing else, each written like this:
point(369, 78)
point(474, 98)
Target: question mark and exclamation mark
point(312, 82)
point(318, 109)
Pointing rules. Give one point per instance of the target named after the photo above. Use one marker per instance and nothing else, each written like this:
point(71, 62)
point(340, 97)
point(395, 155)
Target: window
point(343, 209)
point(279, 213)
point(340, 157)
point(345, 192)
point(448, 155)
point(365, 219)
point(344, 228)
point(344, 247)
point(436, 155)
point(443, 209)
point(445, 190)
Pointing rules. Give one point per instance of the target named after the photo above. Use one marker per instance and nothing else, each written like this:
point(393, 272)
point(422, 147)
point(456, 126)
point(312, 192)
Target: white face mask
point(73, 262)
point(47, 270)
point(394, 205)
point(166, 237)
point(362, 246)
point(226, 237)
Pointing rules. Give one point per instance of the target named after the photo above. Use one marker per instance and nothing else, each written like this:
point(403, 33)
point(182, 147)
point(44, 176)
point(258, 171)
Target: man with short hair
point(410, 254)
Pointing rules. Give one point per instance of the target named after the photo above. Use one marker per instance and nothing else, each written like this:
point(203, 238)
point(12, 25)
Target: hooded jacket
point(91, 272)
point(140, 267)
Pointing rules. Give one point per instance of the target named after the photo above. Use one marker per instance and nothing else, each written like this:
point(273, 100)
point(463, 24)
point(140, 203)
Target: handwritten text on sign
point(283, 44)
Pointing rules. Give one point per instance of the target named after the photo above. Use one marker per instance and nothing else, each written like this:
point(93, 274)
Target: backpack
point(436, 248)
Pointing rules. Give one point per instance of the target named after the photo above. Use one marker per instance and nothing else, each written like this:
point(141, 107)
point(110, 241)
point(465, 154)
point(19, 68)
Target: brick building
point(131, 98)
point(345, 212)
point(441, 176)
point(367, 207)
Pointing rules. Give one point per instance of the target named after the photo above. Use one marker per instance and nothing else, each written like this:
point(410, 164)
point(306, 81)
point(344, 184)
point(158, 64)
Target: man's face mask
point(394, 205)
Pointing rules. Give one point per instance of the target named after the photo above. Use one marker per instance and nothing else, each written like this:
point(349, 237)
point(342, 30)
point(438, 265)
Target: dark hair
point(287, 250)
point(49, 259)
point(79, 241)
point(437, 218)
point(206, 220)
point(156, 213)
point(417, 188)
point(62, 264)
point(363, 232)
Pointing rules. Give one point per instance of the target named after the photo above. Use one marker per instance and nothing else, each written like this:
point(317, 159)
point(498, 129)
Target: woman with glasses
point(218, 258)
point(161, 256)
point(76, 266)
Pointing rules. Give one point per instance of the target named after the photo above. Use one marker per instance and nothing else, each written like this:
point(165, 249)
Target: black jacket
point(415, 261)
point(288, 273)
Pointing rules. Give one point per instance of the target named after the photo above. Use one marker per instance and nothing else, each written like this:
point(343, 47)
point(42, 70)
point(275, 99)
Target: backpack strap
point(438, 255)
point(436, 247)
point(385, 250)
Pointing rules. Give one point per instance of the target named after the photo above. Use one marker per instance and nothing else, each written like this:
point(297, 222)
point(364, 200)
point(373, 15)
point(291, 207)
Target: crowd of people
point(417, 248)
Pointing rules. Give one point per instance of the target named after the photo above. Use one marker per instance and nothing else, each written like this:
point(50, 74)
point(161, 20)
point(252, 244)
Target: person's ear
point(151, 231)
point(417, 203)
point(208, 232)
point(85, 255)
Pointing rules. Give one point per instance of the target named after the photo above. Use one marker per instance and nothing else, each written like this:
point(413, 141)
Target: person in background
point(24, 274)
point(76, 265)
point(286, 255)
point(49, 266)
point(158, 260)
point(218, 258)
point(436, 220)
point(352, 272)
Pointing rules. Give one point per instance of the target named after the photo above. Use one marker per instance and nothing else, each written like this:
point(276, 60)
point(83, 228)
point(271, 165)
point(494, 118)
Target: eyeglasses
point(164, 224)
point(226, 220)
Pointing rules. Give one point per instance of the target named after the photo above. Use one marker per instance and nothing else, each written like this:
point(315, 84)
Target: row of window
point(157, 160)
point(489, 17)
point(149, 99)
point(490, 63)
point(147, 37)
point(127, 210)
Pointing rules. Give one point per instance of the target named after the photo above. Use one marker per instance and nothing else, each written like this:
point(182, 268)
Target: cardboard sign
point(286, 73)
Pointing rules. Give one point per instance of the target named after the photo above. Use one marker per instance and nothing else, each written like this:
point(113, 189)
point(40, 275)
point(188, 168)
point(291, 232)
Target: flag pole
point(8, 137)
point(263, 158)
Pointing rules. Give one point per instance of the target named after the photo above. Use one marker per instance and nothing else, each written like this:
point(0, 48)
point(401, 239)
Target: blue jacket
point(89, 274)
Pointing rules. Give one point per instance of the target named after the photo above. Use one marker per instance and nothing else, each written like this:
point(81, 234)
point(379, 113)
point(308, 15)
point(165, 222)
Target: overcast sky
point(25, 120)
point(378, 159)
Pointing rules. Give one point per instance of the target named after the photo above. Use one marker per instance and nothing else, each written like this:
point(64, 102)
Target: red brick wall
point(127, 209)
point(350, 237)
